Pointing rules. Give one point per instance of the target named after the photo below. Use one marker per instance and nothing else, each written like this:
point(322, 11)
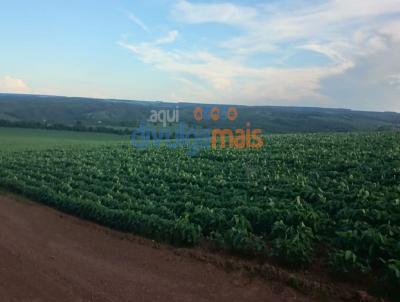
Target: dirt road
point(49, 256)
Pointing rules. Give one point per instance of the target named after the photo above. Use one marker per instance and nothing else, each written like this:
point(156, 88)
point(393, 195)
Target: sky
point(332, 53)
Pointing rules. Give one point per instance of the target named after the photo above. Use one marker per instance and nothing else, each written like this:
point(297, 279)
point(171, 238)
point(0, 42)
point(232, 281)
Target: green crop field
point(16, 139)
point(334, 198)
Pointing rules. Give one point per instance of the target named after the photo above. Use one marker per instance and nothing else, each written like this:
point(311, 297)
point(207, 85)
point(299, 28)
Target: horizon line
point(190, 102)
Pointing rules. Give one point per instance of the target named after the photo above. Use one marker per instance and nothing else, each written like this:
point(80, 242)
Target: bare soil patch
point(46, 255)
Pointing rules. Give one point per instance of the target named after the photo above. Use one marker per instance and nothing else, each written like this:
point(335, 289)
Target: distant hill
point(70, 111)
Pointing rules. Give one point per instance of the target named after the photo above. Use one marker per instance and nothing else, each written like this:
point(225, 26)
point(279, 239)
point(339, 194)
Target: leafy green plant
point(345, 261)
point(293, 245)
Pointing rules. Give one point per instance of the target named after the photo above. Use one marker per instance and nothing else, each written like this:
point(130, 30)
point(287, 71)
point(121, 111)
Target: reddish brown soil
point(49, 256)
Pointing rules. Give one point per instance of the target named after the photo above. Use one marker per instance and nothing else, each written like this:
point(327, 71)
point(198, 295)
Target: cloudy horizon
point(332, 53)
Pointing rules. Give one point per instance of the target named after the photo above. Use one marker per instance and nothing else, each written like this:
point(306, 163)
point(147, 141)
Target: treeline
point(152, 134)
point(78, 126)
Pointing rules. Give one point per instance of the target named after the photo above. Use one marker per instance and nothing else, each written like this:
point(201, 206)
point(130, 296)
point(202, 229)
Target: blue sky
point(333, 53)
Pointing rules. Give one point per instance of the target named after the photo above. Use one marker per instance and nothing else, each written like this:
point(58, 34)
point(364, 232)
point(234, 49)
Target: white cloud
point(330, 21)
point(391, 29)
point(222, 13)
point(345, 32)
point(10, 84)
point(138, 22)
point(394, 80)
point(326, 50)
point(233, 81)
point(169, 38)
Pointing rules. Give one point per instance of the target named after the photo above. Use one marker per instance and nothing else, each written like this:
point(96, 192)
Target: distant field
point(16, 139)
